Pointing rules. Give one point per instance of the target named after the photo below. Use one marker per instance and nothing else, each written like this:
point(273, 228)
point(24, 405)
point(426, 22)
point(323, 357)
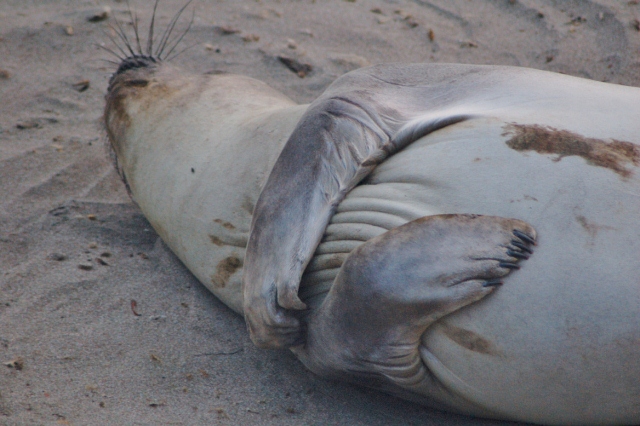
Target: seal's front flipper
point(336, 144)
point(393, 287)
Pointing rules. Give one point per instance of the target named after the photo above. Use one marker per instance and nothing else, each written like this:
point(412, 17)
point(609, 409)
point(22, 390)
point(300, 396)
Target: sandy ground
point(75, 253)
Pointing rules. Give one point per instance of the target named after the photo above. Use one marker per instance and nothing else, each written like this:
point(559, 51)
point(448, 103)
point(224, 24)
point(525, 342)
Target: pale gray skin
point(436, 226)
point(361, 119)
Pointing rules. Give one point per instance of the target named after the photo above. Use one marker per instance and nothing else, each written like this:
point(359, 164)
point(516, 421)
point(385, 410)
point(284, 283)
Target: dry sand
point(75, 252)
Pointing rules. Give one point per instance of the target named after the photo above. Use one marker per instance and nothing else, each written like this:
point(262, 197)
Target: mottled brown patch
point(469, 340)
point(225, 269)
point(591, 228)
point(614, 155)
point(225, 224)
point(248, 204)
point(215, 240)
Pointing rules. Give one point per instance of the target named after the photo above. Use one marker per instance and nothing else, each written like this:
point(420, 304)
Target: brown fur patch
point(225, 269)
point(591, 228)
point(469, 340)
point(215, 240)
point(227, 225)
point(614, 155)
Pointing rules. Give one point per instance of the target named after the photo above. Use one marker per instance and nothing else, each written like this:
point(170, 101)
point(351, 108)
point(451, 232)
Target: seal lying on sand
point(390, 205)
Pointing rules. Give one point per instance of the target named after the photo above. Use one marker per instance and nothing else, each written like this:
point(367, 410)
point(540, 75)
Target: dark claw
point(521, 246)
point(492, 283)
point(524, 237)
point(517, 254)
point(509, 265)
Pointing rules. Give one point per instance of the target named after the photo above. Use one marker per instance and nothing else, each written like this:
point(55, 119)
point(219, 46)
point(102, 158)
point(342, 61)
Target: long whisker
point(134, 21)
point(123, 36)
point(183, 50)
point(110, 51)
point(118, 32)
point(169, 30)
point(193, 17)
point(109, 61)
point(115, 43)
point(150, 37)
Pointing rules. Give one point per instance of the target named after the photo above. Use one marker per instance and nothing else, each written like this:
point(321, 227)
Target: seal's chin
point(127, 84)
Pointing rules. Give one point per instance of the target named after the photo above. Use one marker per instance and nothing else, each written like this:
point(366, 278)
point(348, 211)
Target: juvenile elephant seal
point(390, 205)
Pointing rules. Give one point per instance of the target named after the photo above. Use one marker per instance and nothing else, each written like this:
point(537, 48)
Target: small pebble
point(101, 262)
point(101, 15)
point(93, 245)
point(250, 37)
point(4, 74)
point(58, 257)
point(68, 30)
point(410, 20)
point(227, 30)
point(301, 69)
point(17, 363)
point(85, 267)
point(28, 124)
point(82, 85)
point(468, 44)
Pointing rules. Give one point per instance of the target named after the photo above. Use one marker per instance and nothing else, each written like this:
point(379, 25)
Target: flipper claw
point(517, 254)
point(492, 283)
point(524, 237)
point(509, 265)
point(521, 246)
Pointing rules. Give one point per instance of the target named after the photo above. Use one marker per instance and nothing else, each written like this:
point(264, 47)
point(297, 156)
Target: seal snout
point(131, 71)
point(135, 62)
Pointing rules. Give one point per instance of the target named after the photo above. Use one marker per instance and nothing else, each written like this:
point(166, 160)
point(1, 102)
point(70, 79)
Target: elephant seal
point(366, 230)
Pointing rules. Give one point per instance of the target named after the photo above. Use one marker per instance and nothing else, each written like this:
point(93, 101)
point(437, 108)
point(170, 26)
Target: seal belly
point(365, 213)
point(569, 319)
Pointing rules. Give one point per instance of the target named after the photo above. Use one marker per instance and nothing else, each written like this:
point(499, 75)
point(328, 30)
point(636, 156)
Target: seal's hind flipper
point(393, 287)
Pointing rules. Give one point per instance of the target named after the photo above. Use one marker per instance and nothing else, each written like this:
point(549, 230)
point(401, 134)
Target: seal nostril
point(137, 83)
